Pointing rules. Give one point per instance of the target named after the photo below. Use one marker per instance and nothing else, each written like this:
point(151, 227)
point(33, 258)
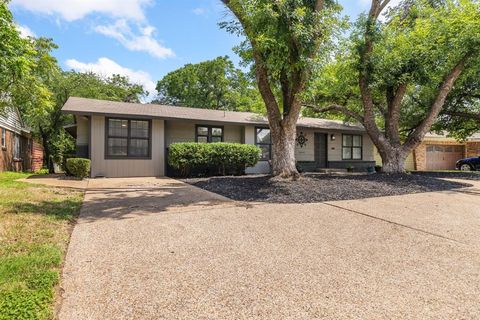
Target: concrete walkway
point(160, 249)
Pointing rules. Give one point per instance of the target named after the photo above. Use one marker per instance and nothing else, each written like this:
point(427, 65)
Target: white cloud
point(106, 67)
point(71, 10)
point(142, 40)
point(200, 11)
point(25, 31)
point(126, 12)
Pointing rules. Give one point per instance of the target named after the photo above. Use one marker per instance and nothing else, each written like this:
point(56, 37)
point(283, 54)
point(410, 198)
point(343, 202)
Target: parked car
point(468, 164)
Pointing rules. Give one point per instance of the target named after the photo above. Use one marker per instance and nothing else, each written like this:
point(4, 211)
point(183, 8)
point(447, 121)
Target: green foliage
point(214, 84)
point(32, 80)
point(418, 44)
point(212, 158)
point(79, 167)
point(91, 85)
point(287, 33)
point(285, 40)
point(461, 115)
point(17, 54)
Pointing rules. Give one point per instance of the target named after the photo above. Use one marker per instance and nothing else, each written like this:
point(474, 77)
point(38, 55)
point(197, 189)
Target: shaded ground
point(474, 175)
point(57, 180)
point(321, 187)
point(161, 249)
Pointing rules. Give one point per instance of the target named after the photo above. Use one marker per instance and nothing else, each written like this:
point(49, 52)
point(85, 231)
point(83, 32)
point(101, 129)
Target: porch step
point(330, 170)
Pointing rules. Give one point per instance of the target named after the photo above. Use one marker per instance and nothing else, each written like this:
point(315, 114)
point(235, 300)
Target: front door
point(321, 150)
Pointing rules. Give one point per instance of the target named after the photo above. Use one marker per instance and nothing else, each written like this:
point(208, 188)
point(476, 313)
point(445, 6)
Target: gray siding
point(184, 131)
point(10, 119)
point(83, 136)
point(126, 167)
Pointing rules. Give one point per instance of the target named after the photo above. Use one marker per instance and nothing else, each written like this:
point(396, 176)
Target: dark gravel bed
point(321, 187)
point(474, 175)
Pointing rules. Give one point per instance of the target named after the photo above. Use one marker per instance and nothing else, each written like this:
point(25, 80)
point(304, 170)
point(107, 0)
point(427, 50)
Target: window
point(206, 134)
point(352, 147)
point(264, 142)
point(4, 138)
point(16, 147)
point(128, 138)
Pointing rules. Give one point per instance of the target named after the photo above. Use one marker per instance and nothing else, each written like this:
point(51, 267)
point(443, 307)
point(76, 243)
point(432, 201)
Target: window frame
point(4, 139)
point(17, 147)
point(128, 137)
point(209, 134)
point(263, 143)
point(352, 147)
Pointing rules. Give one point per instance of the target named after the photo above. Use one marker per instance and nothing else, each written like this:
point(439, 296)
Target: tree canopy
point(395, 75)
point(213, 84)
point(17, 54)
point(284, 40)
point(32, 81)
point(461, 114)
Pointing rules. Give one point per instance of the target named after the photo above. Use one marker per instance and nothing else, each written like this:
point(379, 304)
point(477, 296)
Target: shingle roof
point(84, 106)
point(446, 136)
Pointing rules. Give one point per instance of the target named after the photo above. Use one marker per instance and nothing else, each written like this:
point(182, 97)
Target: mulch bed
point(322, 187)
point(473, 175)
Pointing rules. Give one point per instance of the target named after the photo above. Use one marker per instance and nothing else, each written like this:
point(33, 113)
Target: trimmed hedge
point(212, 158)
point(78, 167)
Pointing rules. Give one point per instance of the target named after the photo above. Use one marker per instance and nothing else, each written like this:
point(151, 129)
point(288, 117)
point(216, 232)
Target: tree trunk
point(393, 157)
point(394, 160)
point(283, 148)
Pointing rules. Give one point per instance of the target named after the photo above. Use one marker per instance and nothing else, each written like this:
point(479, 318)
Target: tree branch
point(364, 76)
point(392, 122)
point(336, 108)
point(465, 115)
point(417, 135)
point(382, 7)
point(261, 71)
point(319, 5)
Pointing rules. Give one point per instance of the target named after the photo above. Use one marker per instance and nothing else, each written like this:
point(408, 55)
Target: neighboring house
point(439, 152)
point(128, 139)
point(18, 150)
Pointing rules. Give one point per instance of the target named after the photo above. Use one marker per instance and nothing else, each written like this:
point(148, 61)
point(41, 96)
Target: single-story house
point(132, 139)
point(18, 151)
point(439, 152)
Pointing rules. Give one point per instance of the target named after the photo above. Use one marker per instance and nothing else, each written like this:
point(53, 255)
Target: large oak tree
point(396, 72)
point(284, 40)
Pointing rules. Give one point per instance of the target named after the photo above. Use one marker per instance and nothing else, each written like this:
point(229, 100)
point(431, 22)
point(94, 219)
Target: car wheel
point(465, 167)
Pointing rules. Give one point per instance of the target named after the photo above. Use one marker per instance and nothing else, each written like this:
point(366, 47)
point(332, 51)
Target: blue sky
point(142, 39)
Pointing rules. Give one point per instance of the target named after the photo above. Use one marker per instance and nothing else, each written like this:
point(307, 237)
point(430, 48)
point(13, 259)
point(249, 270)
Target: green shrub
point(212, 158)
point(63, 163)
point(78, 167)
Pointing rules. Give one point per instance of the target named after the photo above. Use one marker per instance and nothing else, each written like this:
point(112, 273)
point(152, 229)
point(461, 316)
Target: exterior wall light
point(332, 137)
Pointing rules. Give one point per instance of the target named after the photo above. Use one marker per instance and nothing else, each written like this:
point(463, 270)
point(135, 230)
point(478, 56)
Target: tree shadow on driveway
point(140, 199)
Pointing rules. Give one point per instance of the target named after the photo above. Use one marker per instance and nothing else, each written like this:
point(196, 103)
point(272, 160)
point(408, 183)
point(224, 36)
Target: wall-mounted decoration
point(302, 139)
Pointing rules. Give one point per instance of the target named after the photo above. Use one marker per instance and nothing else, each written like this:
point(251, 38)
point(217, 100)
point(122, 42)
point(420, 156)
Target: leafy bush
point(78, 167)
point(212, 158)
point(63, 162)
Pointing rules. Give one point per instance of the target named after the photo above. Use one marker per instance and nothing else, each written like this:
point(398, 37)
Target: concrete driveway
point(160, 249)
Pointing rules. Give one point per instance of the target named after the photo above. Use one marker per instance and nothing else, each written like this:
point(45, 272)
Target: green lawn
point(35, 226)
